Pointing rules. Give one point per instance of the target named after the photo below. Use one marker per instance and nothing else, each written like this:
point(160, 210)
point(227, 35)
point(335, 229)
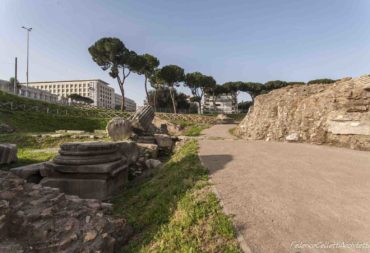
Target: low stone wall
point(335, 114)
point(42, 219)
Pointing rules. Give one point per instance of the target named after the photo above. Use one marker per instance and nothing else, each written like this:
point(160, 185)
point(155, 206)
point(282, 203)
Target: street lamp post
point(28, 54)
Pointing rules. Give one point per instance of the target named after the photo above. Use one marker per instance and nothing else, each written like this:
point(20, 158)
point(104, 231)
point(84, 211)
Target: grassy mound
point(176, 211)
point(41, 122)
point(28, 115)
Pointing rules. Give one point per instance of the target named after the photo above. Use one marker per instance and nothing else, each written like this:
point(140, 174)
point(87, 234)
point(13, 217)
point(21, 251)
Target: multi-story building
point(225, 103)
point(96, 89)
point(99, 91)
point(130, 104)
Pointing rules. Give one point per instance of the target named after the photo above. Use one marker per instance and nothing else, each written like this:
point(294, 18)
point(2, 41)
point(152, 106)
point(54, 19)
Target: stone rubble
point(335, 114)
point(42, 219)
point(8, 153)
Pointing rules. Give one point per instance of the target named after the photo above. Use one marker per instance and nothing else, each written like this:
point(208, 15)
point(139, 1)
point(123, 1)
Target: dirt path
point(285, 195)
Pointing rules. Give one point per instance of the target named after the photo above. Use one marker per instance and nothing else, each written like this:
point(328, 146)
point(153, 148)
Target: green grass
point(27, 156)
point(195, 130)
point(42, 122)
point(237, 116)
point(232, 131)
point(32, 149)
point(32, 120)
point(176, 210)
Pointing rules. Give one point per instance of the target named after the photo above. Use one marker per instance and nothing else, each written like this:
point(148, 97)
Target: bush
point(271, 85)
point(321, 81)
point(296, 83)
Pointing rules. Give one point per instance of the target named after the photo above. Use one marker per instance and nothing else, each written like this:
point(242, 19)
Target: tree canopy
point(164, 101)
point(199, 84)
point(171, 75)
point(148, 69)
point(111, 54)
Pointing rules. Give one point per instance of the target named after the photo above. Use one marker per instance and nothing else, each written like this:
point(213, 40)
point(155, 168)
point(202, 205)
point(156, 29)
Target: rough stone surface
point(164, 141)
point(8, 153)
point(31, 173)
point(42, 219)
point(119, 129)
point(292, 137)
point(153, 163)
point(88, 169)
point(130, 150)
point(143, 118)
point(335, 114)
point(148, 150)
point(166, 127)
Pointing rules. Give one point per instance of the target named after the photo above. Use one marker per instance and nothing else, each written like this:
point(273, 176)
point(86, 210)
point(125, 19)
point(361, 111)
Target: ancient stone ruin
point(42, 219)
point(87, 169)
point(151, 140)
point(99, 169)
point(8, 153)
point(142, 119)
point(119, 129)
point(336, 114)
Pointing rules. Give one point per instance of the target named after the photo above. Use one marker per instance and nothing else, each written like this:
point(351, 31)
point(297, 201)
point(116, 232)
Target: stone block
point(130, 150)
point(31, 172)
point(88, 169)
point(146, 139)
point(119, 129)
point(164, 141)
point(75, 132)
point(88, 188)
point(8, 153)
point(143, 118)
point(153, 164)
point(151, 150)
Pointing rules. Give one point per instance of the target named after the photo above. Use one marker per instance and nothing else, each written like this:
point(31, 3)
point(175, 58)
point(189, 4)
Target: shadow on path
point(215, 162)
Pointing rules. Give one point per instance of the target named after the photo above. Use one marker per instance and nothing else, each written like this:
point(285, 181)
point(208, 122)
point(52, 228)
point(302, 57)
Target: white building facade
point(130, 104)
point(99, 91)
point(225, 103)
point(96, 89)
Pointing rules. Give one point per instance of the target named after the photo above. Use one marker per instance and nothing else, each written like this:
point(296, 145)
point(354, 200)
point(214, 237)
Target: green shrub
point(321, 81)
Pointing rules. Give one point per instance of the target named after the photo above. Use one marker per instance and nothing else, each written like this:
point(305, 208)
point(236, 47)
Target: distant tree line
point(112, 55)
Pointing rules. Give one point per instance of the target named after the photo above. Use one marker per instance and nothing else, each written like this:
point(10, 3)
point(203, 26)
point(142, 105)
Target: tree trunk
point(123, 96)
point(173, 100)
point(123, 107)
point(155, 100)
point(214, 101)
point(146, 91)
point(200, 102)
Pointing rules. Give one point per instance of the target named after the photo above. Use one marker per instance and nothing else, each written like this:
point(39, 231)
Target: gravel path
point(285, 195)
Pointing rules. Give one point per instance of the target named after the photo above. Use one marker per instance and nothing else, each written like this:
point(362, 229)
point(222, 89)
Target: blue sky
point(292, 40)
